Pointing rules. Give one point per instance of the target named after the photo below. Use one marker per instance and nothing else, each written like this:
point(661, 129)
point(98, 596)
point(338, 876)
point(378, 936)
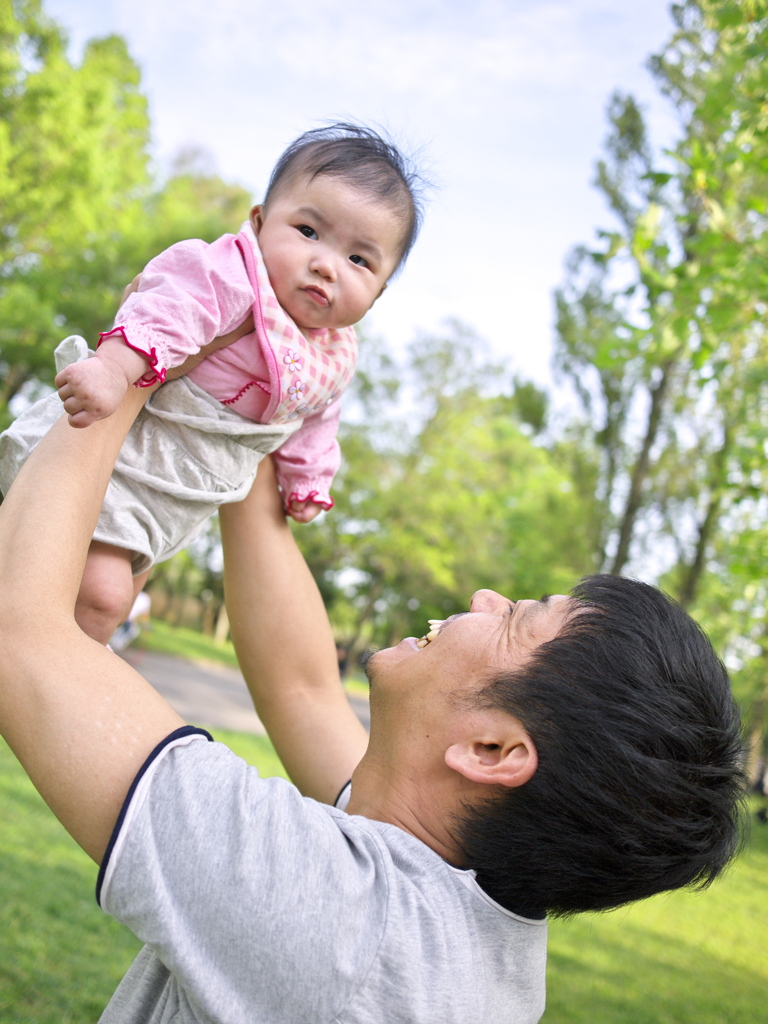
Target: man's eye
point(359, 260)
point(307, 231)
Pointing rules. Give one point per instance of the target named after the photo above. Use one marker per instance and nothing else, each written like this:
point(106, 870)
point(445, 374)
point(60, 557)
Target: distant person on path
point(525, 758)
point(130, 630)
point(342, 657)
point(340, 216)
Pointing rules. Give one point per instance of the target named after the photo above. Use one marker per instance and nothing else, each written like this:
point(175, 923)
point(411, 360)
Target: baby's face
point(328, 250)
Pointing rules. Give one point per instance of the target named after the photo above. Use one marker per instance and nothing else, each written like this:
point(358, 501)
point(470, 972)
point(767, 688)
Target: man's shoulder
point(344, 914)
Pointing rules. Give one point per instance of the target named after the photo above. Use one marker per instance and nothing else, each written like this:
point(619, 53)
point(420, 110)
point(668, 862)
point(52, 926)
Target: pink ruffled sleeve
point(188, 295)
point(309, 460)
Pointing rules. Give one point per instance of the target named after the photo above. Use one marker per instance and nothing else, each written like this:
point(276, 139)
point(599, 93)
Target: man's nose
point(488, 601)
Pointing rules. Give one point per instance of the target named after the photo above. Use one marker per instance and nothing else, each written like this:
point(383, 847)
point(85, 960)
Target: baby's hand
point(303, 511)
point(92, 389)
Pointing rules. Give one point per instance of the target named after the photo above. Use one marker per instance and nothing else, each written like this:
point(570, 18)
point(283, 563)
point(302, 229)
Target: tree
point(662, 331)
point(465, 498)
point(80, 212)
point(73, 162)
point(660, 327)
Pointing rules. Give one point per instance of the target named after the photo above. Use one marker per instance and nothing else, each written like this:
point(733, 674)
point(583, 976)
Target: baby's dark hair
point(363, 159)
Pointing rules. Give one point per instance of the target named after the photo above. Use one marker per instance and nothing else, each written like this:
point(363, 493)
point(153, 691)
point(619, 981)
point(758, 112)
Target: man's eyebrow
point(544, 599)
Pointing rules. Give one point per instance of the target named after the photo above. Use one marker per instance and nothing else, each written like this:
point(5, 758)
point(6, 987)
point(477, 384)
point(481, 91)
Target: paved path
point(207, 694)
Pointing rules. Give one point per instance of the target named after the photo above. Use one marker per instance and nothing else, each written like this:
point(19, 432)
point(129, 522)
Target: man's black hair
point(363, 159)
point(640, 782)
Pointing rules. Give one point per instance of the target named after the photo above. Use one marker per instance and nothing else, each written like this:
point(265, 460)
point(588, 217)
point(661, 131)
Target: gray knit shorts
point(185, 455)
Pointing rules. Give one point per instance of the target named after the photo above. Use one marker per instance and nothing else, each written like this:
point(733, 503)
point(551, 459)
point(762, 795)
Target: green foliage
point(80, 213)
point(662, 329)
point(74, 162)
point(444, 493)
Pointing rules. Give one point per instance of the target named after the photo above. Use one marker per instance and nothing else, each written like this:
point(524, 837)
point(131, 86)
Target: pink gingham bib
point(306, 373)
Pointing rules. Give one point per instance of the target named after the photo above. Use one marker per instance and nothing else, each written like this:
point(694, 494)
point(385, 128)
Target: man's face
point(495, 635)
point(328, 250)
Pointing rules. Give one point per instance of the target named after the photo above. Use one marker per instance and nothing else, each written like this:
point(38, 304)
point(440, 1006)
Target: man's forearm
point(285, 644)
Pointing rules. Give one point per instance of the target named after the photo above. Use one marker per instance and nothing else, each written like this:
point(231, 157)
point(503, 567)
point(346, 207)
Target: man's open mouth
point(434, 629)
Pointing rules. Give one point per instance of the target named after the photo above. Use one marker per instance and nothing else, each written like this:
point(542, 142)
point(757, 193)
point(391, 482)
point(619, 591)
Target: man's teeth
point(434, 625)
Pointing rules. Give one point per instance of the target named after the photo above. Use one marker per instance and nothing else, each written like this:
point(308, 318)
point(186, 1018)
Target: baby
point(340, 215)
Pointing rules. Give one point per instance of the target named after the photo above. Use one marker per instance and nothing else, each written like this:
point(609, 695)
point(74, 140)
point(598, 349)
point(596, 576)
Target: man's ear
point(257, 218)
point(500, 753)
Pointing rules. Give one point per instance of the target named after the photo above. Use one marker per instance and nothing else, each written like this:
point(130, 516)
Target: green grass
point(679, 958)
point(61, 958)
point(676, 959)
point(185, 643)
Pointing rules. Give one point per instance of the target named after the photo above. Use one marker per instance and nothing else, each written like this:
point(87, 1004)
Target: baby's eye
point(360, 261)
point(307, 231)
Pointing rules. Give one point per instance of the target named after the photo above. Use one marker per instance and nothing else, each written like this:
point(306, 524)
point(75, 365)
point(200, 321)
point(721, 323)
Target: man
point(533, 758)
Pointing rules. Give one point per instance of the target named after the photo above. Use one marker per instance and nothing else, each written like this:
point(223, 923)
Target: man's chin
point(364, 660)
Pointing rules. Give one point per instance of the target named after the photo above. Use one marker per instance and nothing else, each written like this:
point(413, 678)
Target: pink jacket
point(194, 292)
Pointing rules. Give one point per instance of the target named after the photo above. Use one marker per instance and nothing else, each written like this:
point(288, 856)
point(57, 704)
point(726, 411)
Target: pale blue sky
point(506, 98)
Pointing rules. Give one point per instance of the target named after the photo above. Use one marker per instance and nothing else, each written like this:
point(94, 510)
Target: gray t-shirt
point(260, 906)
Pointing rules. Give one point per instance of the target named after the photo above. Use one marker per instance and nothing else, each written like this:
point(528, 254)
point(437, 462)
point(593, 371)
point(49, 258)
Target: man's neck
point(420, 808)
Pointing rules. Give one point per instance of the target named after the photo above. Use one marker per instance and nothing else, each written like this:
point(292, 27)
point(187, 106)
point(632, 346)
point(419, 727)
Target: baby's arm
point(307, 463)
point(186, 297)
point(218, 343)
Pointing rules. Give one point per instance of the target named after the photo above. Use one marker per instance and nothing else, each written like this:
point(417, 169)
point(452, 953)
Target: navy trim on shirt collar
point(342, 791)
point(177, 734)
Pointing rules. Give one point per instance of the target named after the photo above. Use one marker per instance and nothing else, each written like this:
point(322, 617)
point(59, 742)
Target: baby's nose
point(325, 265)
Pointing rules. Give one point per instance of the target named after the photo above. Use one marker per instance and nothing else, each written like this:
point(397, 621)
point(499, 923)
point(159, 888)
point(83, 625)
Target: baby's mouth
point(318, 296)
point(434, 629)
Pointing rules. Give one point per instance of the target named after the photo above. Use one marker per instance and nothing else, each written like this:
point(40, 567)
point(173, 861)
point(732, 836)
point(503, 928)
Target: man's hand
point(303, 511)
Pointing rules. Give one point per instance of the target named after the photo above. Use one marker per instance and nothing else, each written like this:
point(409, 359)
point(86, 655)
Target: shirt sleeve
point(255, 899)
point(188, 295)
point(309, 460)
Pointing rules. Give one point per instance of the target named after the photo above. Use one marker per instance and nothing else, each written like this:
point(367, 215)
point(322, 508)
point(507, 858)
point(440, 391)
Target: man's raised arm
point(285, 645)
point(80, 721)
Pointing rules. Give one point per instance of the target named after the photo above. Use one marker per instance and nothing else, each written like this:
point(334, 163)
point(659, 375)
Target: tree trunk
point(640, 473)
point(221, 630)
point(707, 526)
